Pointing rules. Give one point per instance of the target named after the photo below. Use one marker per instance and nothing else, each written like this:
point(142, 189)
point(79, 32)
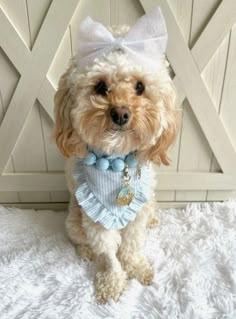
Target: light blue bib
point(96, 192)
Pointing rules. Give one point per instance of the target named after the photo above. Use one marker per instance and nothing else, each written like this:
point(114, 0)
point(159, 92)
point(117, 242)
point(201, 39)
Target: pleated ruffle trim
point(97, 211)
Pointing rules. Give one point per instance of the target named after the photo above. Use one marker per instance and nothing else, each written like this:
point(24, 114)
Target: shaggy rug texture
point(193, 253)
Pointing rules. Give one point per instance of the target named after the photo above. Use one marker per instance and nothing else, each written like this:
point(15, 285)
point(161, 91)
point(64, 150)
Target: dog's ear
point(157, 153)
point(67, 140)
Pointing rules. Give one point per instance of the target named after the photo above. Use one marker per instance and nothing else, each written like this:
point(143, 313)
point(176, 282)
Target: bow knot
point(118, 44)
point(145, 43)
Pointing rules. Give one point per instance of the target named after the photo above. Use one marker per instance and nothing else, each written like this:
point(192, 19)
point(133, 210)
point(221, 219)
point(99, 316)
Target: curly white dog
point(115, 112)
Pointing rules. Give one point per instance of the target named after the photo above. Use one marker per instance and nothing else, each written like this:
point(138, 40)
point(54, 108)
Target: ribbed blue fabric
point(96, 192)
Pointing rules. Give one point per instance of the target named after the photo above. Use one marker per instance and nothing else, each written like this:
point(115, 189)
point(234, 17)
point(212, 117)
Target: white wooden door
point(37, 38)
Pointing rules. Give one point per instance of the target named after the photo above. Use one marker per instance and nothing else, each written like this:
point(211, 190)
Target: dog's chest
point(97, 191)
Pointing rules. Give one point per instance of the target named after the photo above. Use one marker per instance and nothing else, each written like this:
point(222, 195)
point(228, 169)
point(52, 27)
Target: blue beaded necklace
point(116, 165)
point(103, 163)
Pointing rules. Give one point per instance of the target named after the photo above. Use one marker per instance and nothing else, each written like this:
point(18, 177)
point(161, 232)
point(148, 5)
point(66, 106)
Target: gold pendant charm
point(125, 196)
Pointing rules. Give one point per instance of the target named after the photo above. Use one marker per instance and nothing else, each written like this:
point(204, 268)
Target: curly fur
point(83, 118)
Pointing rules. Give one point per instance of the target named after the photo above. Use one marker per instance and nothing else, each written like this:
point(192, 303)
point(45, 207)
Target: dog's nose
point(120, 115)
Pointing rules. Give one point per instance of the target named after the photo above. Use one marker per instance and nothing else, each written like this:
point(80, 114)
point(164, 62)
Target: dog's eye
point(139, 88)
point(101, 88)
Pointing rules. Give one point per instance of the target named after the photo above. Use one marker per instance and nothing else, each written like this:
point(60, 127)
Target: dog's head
point(116, 106)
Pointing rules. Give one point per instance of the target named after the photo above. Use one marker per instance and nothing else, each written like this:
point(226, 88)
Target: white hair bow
point(145, 43)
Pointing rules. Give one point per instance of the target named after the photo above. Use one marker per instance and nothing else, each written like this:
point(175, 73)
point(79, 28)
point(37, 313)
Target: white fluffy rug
point(193, 253)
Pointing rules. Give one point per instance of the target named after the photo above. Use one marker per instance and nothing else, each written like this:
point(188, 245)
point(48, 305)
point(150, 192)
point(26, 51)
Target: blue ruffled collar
point(96, 192)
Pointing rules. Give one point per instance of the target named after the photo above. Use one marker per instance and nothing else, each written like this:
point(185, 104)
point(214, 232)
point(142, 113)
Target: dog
point(115, 115)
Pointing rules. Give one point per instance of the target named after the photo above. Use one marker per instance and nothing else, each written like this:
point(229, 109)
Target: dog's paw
point(139, 269)
point(153, 222)
point(85, 252)
point(110, 285)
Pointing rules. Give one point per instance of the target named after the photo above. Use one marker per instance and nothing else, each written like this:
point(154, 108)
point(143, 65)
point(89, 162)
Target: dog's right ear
point(67, 140)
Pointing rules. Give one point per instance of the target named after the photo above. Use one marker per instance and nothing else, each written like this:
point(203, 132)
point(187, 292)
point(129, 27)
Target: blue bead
point(90, 159)
point(102, 164)
point(118, 165)
point(131, 161)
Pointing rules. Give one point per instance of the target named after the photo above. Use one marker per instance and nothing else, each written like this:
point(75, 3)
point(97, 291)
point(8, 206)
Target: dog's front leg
point(131, 249)
point(110, 278)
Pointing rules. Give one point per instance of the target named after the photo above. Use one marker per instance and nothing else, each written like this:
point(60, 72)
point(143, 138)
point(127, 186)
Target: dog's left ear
point(157, 153)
